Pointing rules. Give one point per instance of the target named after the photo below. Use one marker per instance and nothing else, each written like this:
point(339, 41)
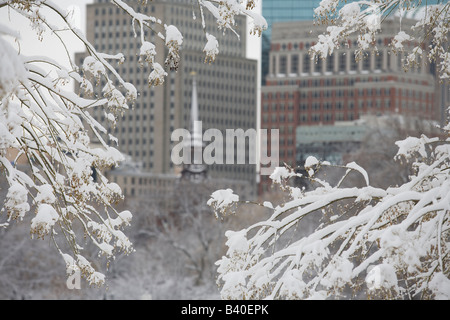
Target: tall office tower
point(282, 10)
point(226, 88)
point(300, 92)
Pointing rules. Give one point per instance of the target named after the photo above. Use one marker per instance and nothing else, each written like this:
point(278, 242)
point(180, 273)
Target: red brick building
point(302, 92)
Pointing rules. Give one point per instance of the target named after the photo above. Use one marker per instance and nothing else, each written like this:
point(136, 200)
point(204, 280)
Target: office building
point(226, 88)
point(301, 92)
point(296, 10)
point(278, 11)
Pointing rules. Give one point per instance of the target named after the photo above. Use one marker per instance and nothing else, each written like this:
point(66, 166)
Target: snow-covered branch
point(46, 151)
point(363, 20)
point(400, 231)
point(368, 242)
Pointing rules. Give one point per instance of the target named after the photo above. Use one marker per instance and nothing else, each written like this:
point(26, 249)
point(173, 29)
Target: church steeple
point(196, 130)
point(196, 170)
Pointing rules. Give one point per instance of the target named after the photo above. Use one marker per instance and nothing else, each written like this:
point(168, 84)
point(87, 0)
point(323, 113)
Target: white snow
point(211, 48)
point(148, 50)
point(311, 161)
point(349, 11)
point(126, 216)
point(45, 194)
point(44, 220)
point(157, 76)
point(399, 38)
point(410, 145)
point(381, 276)
point(221, 200)
point(12, 69)
point(93, 66)
point(440, 286)
point(279, 174)
point(173, 35)
point(356, 167)
point(17, 200)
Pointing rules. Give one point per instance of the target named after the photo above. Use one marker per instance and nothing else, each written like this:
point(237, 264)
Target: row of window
point(307, 45)
point(316, 117)
point(339, 116)
point(298, 63)
point(110, 11)
point(135, 129)
point(232, 111)
point(227, 65)
point(328, 117)
point(228, 123)
point(339, 105)
point(376, 92)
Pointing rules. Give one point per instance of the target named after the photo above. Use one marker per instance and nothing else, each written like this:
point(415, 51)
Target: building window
point(379, 61)
point(330, 63)
point(274, 61)
point(318, 65)
point(294, 64)
point(342, 61)
point(366, 62)
point(354, 63)
point(399, 61)
point(306, 63)
point(283, 64)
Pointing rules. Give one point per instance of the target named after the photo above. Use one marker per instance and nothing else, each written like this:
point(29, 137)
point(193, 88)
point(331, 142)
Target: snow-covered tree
point(370, 242)
point(47, 126)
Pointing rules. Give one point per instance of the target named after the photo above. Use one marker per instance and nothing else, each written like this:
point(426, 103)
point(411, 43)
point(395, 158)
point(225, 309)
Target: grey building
point(226, 88)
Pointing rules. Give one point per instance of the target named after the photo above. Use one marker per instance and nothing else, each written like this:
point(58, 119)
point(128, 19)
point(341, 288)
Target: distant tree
point(377, 150)
point(370, 242)
point(46, 125)
point(183, 229)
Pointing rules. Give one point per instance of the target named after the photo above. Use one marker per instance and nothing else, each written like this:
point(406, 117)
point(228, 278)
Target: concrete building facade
point(227, 96)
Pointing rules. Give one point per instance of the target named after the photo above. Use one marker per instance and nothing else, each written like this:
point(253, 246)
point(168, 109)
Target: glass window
point(354, 63)
point(366, 62)
point(283, 64)
point(379, 60)
point(306, 63)
point(318, 65)
point(330, 63)
point(294, 63)
point(342, 61)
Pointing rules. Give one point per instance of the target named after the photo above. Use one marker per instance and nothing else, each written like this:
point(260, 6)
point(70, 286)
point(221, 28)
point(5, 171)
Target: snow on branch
point(370, 242)
point(222, 200)
point(363, 20)
point(49, 128)
point(374, 239)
